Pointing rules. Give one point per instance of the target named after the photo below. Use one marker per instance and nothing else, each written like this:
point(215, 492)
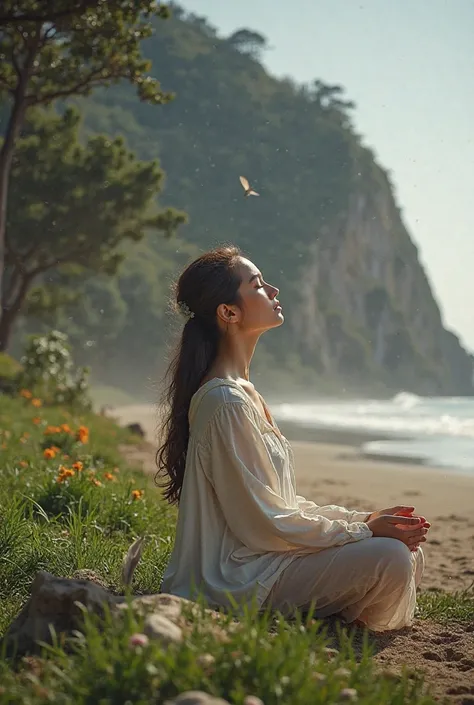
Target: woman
point(243, 533)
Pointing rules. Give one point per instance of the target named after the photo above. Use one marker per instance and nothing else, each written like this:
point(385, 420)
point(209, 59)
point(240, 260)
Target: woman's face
point(260, 309)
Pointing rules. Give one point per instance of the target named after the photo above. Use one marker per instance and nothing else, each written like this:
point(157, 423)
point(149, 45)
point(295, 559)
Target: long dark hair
point(211, 280)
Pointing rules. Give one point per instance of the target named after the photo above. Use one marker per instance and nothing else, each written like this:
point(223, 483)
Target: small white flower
point(185, 311)
point(138, 640)
point(342, 672)
point(205, 660)
point(348, 694)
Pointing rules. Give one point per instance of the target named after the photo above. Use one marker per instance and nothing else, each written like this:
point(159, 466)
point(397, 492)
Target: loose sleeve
point(332, 511)
point(247, 488)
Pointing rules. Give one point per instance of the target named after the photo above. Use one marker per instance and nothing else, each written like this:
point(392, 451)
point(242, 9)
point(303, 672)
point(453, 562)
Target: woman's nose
point(273, 291)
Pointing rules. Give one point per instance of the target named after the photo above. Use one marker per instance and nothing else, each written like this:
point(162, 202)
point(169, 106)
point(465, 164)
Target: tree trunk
point(7, 150)
point(10, 313)
point(6, 328)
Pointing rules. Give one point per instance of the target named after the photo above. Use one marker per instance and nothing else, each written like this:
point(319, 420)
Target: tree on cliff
point(71, 209)
point(45, 57)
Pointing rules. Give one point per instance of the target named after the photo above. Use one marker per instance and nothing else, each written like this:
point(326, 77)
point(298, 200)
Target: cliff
point(326, 229)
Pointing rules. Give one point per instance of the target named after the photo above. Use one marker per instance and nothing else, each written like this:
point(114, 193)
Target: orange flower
point(109, 476)
point(77, 466)
point(82, 434)
point(64, 473)
point(96, 482)
point(37, 420)
point(51, 430)
point(49, 453)
point(37, 403)
point(23, 463)
point(25, 434)
point(56, 449)
point(66, 428)
point(26, 394)
point(137, 494)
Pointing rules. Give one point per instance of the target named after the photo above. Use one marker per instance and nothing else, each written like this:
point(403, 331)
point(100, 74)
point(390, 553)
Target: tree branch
point(89, 81)
point(69, 258)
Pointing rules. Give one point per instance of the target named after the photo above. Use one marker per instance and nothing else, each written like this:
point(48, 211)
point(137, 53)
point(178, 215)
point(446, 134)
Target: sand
point(336, 472)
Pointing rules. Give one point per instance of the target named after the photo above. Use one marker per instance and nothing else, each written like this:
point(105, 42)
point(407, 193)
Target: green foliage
point(72, 53)
point(9, 367)
point(82, 203)
point(76, 49)
point(21, 11)
point(48, 370)
point(10, 371)
point(63, 522)
point(447, 607)
point(261, 656)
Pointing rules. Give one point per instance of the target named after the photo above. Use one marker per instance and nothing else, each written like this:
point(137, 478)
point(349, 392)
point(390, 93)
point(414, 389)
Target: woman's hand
point(398, 523)
point(399, 510)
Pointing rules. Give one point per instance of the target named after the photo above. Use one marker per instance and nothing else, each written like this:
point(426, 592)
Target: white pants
point(373, 580)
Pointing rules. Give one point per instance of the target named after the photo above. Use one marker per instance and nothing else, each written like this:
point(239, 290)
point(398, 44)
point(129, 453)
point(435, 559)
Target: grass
point(447, 607)
point(88, 519)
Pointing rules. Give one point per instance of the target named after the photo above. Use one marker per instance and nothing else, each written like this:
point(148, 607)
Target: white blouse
point(240, 521)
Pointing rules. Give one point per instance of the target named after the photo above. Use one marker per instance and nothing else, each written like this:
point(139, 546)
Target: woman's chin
point(280, 318)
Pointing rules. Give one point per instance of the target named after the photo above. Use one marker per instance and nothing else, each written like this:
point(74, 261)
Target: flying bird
point(247, 188)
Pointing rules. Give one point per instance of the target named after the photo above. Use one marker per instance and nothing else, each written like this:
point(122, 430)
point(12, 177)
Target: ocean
point(437, 430)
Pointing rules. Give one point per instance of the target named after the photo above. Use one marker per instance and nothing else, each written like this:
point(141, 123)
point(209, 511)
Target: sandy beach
point(335, 472)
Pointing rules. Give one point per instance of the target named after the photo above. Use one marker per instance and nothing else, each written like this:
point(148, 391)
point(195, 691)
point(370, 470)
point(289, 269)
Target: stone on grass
point(58, 604)
point(53, 603)
point(196, 697)
point(160, 628)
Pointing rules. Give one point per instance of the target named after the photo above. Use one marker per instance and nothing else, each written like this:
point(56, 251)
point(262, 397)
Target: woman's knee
point(395, 560)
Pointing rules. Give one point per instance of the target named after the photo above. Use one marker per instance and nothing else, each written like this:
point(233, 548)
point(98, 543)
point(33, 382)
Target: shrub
point(48, 370)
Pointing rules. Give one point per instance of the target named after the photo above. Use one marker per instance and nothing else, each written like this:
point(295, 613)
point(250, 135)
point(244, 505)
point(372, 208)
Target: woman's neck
point(234, 358)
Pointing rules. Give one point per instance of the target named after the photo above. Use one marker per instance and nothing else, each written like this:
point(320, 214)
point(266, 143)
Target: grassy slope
point(65, 526)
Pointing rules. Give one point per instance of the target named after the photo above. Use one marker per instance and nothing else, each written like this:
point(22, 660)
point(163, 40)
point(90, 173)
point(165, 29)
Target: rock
point(162, 629)
point(86, 574)
point(136, 429)
point(196, 697)
point(170, 606)
point(56, 603)
point(53, 603)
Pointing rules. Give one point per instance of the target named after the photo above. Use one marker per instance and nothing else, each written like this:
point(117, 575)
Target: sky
point(409, 67)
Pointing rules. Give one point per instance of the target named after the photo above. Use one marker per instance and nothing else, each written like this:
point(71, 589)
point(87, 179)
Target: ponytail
point(204, 285)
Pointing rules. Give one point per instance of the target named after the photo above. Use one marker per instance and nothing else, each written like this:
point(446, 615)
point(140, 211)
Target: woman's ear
point(228, 314)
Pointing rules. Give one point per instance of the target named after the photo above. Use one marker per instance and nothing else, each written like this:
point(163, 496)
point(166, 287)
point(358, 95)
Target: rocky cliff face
point(367, 308)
